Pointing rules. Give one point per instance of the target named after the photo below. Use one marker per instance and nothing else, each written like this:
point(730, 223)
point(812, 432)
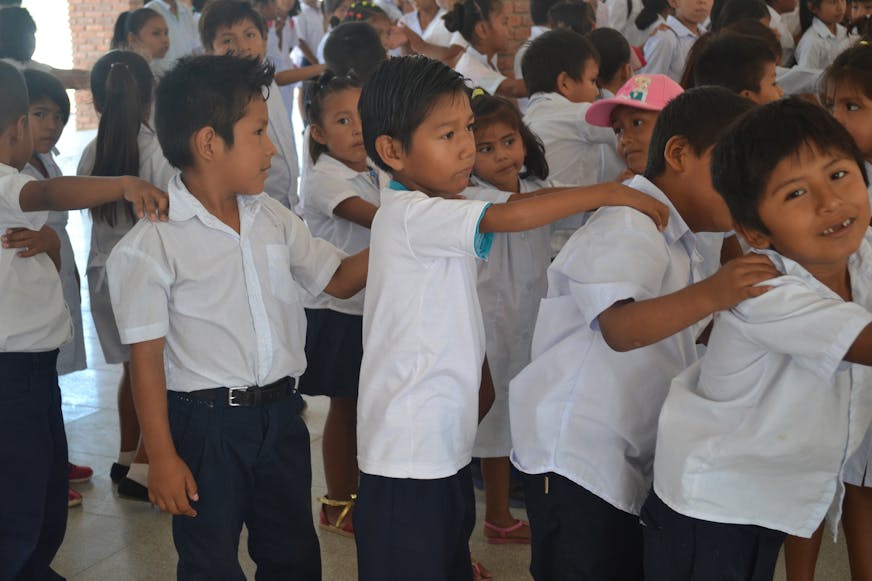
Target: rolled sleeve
point(313, 261)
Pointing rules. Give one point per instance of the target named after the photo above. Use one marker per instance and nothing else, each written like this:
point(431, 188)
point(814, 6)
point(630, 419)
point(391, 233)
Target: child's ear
point(480, 29)
point(675, 153)
point(22, 128)
point(206, 144)
point(563, 83)
point(390, 151)
point(626, 73)
point(751, 96)
point(673, 4)
point(317, 134)
point(753, 237)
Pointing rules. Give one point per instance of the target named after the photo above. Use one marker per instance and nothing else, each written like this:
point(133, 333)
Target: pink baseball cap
point(647, 92)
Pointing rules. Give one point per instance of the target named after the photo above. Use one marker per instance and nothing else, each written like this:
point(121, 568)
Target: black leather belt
point(246, 396)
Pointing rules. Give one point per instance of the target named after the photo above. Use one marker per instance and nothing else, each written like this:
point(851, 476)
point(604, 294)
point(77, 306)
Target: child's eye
point(448, 136)
point(39, 114)
point(852, 107)
point(838, 174)
point(344, 121)
point(485, 149)
point(470, 128)
point(509, 142)
point(638, 122)
point(794, 194)
point(259, 132)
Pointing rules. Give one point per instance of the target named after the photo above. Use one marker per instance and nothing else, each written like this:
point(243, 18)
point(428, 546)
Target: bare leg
point(857, 522)
point(127, 421)
point(340, 452)
point(800, 556)
point(495, 473)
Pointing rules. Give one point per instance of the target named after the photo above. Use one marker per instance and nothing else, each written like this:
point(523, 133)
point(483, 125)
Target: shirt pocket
point(282, 285)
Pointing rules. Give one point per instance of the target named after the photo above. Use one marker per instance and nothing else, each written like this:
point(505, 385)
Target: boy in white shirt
point(756, 439)
point(423, 334)
point(210, 303)
point(35, 322)
point(666, 51)
point(583, 413)
point(561, 69)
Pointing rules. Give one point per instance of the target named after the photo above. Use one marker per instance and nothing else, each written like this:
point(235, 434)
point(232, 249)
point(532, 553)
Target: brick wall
point(519, 24)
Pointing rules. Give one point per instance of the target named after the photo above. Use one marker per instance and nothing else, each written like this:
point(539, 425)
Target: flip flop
point(503, 533)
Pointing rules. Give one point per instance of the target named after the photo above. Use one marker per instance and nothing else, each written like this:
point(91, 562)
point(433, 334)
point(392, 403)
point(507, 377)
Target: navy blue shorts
point(334, 350)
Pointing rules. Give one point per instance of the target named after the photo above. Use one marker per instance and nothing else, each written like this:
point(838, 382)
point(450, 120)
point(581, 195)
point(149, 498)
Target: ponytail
point(467, 13)
point(651, 11)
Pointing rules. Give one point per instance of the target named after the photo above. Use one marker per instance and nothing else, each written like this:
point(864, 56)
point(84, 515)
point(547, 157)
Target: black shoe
point(132, 490)
point(118, 472)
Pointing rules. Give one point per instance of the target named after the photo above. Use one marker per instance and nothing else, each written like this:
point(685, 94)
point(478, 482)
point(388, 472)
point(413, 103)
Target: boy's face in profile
point(584, 89)
point(769, 89)
point(816, 208)
point(441, 155)
point(241, 39)
point(633, 128)
point(244, 165)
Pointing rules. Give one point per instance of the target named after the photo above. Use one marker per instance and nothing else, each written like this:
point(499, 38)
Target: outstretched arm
point(74, 193)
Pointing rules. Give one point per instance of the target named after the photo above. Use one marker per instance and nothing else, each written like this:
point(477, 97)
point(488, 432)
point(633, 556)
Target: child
point(35, 323)
point(373, 15)
point(121, 82)
point(424, 338)
point(755, 439)
point(561, 69)
point(309, 24)
point(860, 10)
point(650, 20)
point(223, 418)
point(666, 51)
point(353, 48)
point(539, 17)
point(578, 17)
point(428, 22)
point(235, 27)
point(184, 39)
point(622, 14)
point(484, 24)
point(741, 63)
point(632, 114)
point(341, 193)
point(147, 34)
point(625, 306)
point(823, 36)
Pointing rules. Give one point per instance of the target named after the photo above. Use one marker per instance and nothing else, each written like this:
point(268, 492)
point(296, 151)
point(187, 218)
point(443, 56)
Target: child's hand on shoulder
point(32, 242)
point(736, 280)
point(654, 209)
point(171, 486)
point(147, 200)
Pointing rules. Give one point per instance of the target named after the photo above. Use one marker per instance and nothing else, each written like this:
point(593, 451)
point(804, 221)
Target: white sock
point(139, 473)
point(126, 458)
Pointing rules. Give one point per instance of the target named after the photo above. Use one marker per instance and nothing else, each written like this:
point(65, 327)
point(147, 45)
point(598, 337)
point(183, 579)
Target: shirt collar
point(479, 57)
point(537, 31)
point(821, 29)
point(677, 227)
point(678, 27)
point(184, 205)
point(606, 94)
point(395, 185)
point(6, 170)
point(331, 166)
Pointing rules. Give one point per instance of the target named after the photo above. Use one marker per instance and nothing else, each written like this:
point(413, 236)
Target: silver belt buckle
point(231, 391)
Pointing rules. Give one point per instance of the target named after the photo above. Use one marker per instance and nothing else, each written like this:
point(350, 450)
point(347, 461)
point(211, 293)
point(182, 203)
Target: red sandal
point(503, 533)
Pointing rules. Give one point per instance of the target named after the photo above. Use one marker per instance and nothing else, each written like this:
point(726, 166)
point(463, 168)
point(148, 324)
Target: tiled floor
point(111, 538)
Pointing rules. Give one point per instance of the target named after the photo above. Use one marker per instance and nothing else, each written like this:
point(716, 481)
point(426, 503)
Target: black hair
point(735, 10)
point(744, 158)
point(119, 32)
point(138, 18)
point(316, 92)
point(363, 11)
point(690, 115)
point(489, 109)
point(17, 34)
point(42, 85)
point(579, 17)
point(552, 53)
point(613, 50)
point(651, 11)
point(121, 84)
point(758, 30)
point(198, 5)
point(224, 14)
point(467, 13)
point(206, 91)
point(399, 95)
point(353, 47)
point(862, 27)
point(806, 16)
point(329, 7)
point(13, 96)
point(852, 67)
point(688, 78)
point(539, 11)
point(10, 2)
point(734, 61)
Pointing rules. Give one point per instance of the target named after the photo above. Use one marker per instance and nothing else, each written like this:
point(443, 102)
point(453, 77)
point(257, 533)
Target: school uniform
point(194, 277)
point(757, 434)
point(281, 181)
point(334, 334)
point(72, 355)
point(571, 143)
point(638, 37)
point(479, 71)
point(279, 42)
point(153, 168)
point(424, 344)
point(819, 47)
point(584, 416)
point(36, 322)
point(788, 45)
point(622, 14)
point(535, 32)
point(183, 33)
point(666, 51)
point(309, 24)
point(435, 33)
point(798, 80)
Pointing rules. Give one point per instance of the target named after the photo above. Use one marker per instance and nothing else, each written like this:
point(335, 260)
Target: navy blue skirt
point(334, 350)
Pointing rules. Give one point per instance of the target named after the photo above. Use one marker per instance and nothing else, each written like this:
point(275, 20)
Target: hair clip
point(478, 92)
point(863, 43)
point(117, 64)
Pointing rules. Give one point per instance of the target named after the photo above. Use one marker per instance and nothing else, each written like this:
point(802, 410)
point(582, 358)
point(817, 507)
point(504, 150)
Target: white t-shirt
point(759, 430)
point(183, 32)
point(228, 303)
point(329, 183)
point(478, 71)
point(423, 337)
point(581, 409)
point(666, 51)
point(571, 143)
point(34, 315)
point(435, 33)
point(818, 47)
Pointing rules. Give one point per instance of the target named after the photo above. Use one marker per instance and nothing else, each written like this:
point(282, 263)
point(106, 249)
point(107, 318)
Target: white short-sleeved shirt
point(571, 143)
point(666, 51)
point(818, 47)
point(34, 315)
point(227, 303)
point(329, 183)
point(281, 182)
point(798, 80)
point(581, 409)
point(309, 24)
point(788, 45)
point(622, 14)
point(479, 71)
point(638, 37)
point(183, 32)
point(535, 32)
point(435, 33)
point(423, 337)
point(759, 430)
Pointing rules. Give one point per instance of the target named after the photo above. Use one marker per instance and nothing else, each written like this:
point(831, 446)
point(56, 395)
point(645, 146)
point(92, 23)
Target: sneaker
point(132, 490)
point(80, 473)
point(73, 498)
point(118, 472)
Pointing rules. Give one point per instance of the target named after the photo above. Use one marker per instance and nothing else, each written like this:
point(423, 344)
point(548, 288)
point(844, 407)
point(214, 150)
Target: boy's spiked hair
point(399, 95)
point(690, 116)
point(206, 91)
point(552, 53)
point(13, 96)
point(226, 13)
point(734, 61)
point(744, 158)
